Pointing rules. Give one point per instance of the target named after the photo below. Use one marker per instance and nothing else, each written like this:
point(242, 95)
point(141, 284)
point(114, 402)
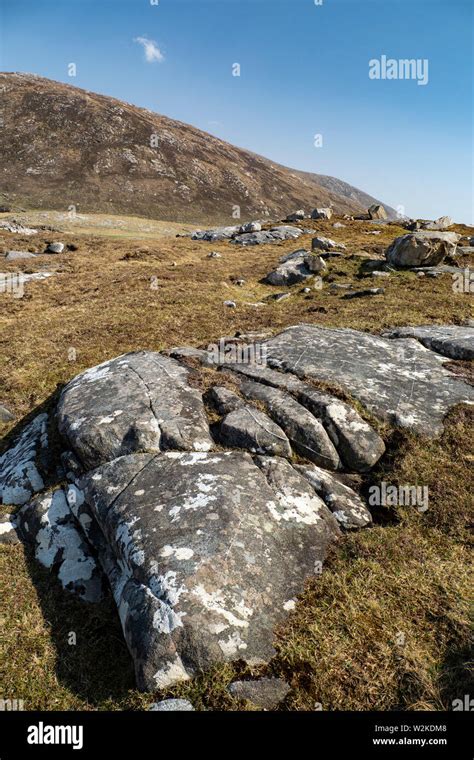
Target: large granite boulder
point(137, 402)
point(377, 211)
point(424, 248)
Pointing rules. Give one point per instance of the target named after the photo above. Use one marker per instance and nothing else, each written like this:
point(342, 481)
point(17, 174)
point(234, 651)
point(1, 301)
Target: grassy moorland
point(386, 626)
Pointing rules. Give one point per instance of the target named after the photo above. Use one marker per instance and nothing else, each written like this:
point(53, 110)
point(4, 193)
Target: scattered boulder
point(293, 268)
point(19, 255)
point(266, 693)
point(421, 249)
point(214, 255)
point(250, 227)
point(325, 244)
point(364, 293)
point(230, 304)
point(377, 211)
point(217, 233)
point(321, 213)
point(249, 428)
point(338, 225)
point(439, 224)
point(315, 263)
point(55, 248)
point(273, 235)
point(17, 228)
point(296, 216)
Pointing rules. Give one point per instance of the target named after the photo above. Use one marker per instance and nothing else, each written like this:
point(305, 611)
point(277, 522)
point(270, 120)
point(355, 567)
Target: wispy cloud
point(152, 51)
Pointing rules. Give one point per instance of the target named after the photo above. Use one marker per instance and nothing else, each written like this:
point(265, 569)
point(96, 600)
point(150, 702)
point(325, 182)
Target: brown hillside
point(64, 146)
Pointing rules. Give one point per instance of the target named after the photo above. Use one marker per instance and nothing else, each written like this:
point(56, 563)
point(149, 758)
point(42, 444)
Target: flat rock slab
point(137, 402)
point(398, 380)
point(266, 693)
point(449, 340)
point(274, 235)
point(203, 552)
point(172, 705)
point(19, 255)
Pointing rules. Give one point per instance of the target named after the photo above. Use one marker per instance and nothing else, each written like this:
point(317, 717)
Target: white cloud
point(152, 51)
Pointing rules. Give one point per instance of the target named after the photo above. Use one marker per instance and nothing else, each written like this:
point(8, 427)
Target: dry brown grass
point(408, 575)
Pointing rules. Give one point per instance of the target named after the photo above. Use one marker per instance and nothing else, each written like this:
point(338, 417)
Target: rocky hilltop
point(63, 146)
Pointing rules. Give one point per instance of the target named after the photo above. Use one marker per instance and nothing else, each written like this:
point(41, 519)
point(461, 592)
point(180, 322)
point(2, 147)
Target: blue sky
point(304, 71)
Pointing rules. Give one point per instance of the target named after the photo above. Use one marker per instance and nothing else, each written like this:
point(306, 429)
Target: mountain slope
point(63, 146)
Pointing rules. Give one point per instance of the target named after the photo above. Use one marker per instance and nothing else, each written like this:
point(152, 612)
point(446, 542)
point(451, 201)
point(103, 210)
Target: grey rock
point(250, 227)
point(278, 297)
point(249, 428)
point(315, 263)
point(376, 273)
point(439, 224)
point(358, 444)
point(214, 255)
point(306, 434)
point(59, 543)
point(325, 244)
point(421, 249)
point(230, 304)
point(19, 255)
point(274, 235)
point(9, 530)
point(194, 547)
point(225, 400)
point(55, 248)
point(453, 341)
point(5, 415)
point(296, 216)
point(364, 293)
point(465, 250)
point(293, 268)
point(339, 225)
point(321, 213)
point(398, 380)
point(376, 211)
point(217, 233)
point(266, 693)
point(19, 474)
point(172, 705)
point(138, 402)
point(345, 504)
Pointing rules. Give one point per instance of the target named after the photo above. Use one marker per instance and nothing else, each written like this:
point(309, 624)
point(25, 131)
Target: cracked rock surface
point(206, 533)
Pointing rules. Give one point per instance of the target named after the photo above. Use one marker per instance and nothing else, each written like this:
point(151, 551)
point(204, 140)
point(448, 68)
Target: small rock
point(278, 297)
point(266, 693)
point(214, 255)
point(306, 290)
point(321, 213)
point(377, 273)
point(315, 263)
point(338, 225)
point(18, 255)
point(239, 283)
point(250, 227)
point(439, 224)
point(296, 216)
point(363, 293)
point(230, 304)
point(172, 705)
point(5, 415)
point(325, 244)
point(55, 248)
